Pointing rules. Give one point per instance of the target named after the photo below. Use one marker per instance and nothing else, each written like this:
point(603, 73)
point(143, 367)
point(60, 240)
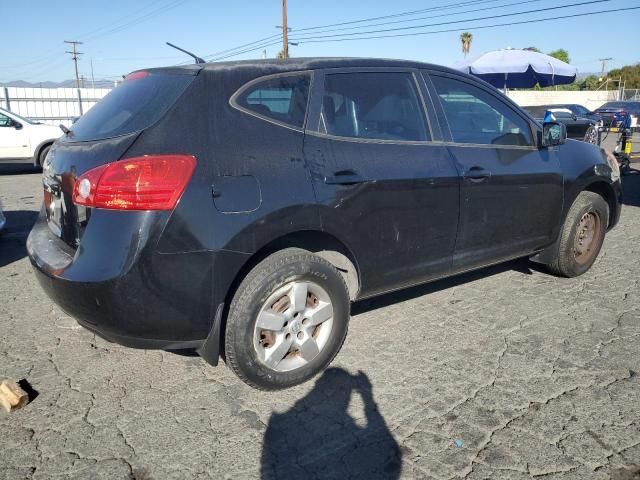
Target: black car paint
point(159, 279)
point(579, 111)
point(610, 110)
point(577, 125)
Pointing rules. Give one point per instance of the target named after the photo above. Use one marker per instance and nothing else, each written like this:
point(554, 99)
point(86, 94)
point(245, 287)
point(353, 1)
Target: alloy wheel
point(293, 326)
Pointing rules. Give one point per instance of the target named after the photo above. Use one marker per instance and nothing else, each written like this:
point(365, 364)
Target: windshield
point(138, 103)
point(19, 117)
point(610, 105)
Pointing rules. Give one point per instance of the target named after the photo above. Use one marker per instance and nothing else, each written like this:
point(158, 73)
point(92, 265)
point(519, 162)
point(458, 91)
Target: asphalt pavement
point(505, 373)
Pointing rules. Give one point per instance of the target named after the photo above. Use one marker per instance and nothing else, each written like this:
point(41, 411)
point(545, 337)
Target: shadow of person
point(631, 186)
point(317, 438)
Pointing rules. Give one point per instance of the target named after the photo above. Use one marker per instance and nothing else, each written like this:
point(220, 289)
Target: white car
point(23, 140)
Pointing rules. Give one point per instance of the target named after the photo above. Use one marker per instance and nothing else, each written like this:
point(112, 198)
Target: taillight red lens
point(153, 182)
point(137, 75)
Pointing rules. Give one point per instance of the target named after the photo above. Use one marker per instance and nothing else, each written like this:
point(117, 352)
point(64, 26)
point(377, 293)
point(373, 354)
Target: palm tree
point(466, 38)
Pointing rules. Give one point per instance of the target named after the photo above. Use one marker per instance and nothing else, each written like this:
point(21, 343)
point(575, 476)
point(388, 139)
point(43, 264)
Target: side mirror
point(16, 125)
point(553, 133)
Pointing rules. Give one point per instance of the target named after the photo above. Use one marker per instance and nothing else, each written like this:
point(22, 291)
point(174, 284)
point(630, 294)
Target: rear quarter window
point(280, 98)
point(137, 103)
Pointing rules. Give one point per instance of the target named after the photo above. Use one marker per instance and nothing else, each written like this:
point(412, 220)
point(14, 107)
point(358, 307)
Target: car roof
point(266, 66)
point(622, 103)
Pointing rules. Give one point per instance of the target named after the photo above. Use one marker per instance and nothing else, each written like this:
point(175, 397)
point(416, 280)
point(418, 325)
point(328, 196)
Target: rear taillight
point(154, 182)
point(137, 75)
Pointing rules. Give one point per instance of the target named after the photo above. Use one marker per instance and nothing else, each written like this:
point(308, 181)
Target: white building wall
point(50, 105)
point(588, 98)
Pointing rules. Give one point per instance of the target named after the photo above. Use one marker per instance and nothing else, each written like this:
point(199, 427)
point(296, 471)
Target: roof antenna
point(197, 58)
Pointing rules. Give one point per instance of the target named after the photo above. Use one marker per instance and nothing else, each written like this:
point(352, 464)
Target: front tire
point(582, 236)
point(287, 321)
point(42, 155)
point(591, 135)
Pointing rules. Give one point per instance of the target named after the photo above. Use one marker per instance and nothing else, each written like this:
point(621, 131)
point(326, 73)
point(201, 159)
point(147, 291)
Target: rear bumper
point(122, 289)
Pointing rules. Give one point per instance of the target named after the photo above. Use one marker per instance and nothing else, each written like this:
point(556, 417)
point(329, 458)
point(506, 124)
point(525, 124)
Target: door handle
point(477, 174)
point(344, 177)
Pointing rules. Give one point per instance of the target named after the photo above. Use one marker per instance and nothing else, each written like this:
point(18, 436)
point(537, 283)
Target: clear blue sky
point(121, 36)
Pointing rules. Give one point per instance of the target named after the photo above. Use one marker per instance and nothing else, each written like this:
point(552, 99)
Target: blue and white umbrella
point(513, 68)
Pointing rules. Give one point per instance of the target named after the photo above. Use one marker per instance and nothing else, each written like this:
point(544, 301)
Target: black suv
point(237, 208)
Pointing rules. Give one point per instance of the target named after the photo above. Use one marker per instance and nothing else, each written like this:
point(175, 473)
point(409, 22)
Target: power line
point(394, 22)
point(138, 20)
point(223, 53)
point(277, 37)
point(575, 15)
point(46, 57)
point(491, 17)
point(401, 14)
point(121, 19)
point(259, 47)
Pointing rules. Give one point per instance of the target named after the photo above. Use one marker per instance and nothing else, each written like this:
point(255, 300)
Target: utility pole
point(285, 31)
point(604, 66)
point(93, 80)
point(74, 57)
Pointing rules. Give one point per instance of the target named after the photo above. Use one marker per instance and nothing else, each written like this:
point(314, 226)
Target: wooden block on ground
point(12, 396)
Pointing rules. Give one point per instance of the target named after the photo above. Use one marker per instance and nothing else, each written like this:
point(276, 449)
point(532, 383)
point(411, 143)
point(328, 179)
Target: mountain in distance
point(63, 84)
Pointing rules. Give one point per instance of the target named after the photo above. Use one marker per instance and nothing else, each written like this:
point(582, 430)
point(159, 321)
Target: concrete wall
point(588, 98)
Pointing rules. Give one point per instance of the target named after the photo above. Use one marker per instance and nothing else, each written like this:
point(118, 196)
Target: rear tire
point(287, 320)
point(582, 236)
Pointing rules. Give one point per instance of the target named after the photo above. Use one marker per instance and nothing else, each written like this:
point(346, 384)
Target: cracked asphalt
point(505, 373)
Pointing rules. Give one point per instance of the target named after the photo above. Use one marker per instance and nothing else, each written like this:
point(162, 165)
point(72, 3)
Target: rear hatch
point(101, 136)
point(608, 114)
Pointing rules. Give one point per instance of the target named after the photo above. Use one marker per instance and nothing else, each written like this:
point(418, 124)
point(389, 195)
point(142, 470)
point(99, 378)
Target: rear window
point(139, 102)
point(282, 98)
point(612, 105)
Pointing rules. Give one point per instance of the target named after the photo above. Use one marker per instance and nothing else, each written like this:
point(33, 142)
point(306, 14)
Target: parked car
point(23, 140)
point(613, 112)
point(578, 110)
point(3, 220)
point(238, 208)
point(578, 128)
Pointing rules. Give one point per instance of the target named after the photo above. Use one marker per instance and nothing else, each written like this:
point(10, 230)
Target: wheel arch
point(606, 191)
point(38, 150)
point(599, 187)
point(321, 243)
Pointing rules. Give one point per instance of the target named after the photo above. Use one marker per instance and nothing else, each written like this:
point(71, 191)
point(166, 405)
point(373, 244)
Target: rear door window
point(281, 98)
point(372, 105)
point(477, 117)
point(138, 103)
